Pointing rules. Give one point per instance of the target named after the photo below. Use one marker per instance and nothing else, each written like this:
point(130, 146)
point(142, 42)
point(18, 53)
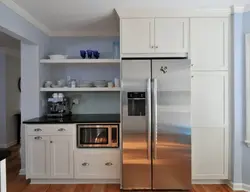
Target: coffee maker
point(58, 105)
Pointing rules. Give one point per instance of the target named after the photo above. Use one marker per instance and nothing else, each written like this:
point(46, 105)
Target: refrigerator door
point(171, 147)
point(136, 124)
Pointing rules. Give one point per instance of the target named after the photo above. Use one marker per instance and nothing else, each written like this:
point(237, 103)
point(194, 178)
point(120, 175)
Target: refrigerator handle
point(149, 116)
point(155, 118)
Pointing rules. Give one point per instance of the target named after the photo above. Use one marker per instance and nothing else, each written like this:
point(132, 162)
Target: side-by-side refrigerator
point(156, 130)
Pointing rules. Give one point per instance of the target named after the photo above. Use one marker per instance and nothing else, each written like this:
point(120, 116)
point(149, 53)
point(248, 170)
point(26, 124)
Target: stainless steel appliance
point(156, 131)
point(98, 135)
point(58, 107)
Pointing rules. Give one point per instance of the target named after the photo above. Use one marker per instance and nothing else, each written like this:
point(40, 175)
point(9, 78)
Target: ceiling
point(97, 17)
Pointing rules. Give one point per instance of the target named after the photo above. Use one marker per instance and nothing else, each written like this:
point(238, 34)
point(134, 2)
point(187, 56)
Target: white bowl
point(54, 57)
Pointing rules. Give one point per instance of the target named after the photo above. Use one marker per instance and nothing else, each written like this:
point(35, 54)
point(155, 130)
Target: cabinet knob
point(85, 164)
point(37, 130)
point(192, 76)
point(108, 164)
point(192, 65)
point(51, 141)
point(38, 138)
point(152, 47)
point(61, 129)
point(156, 47)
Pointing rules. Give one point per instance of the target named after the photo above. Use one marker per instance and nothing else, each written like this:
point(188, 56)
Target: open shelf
point(80, 61)
point(80, 89)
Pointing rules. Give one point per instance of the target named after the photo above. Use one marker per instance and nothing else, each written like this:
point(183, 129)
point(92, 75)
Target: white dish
point(55, 57)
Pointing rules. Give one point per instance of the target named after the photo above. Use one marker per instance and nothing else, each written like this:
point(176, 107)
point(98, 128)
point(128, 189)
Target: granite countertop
point(4, 153)
point(84, 118)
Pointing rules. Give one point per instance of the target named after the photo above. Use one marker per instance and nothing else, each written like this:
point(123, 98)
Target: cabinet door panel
point(171, 35)
point(209, 99)
point(137, 35)
point(209, 43)
point(62, 156)
point(209, 153)
point(38, 157)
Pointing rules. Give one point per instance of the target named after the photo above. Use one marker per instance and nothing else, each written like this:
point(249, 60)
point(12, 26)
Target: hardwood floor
point(18, 183)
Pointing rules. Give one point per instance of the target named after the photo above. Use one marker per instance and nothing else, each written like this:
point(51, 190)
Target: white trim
point(8, 144)
point(81, 89)
point(22, 172)
point(247, 84)
point(75, 181)
point(99, 33)
point(237, 9)
point(20, 11)
point(3, 183)
point(79, 61)
point(239, 186)
point(209, 181)
point(246, 187)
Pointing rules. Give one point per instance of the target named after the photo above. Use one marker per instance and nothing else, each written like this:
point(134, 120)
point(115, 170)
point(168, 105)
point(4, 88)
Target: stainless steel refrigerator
point(156, 131)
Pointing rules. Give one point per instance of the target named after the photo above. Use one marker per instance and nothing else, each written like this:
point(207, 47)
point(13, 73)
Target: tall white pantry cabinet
point(206, 40)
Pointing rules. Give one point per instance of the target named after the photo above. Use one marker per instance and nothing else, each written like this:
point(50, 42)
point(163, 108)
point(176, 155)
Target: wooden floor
point(18, 183)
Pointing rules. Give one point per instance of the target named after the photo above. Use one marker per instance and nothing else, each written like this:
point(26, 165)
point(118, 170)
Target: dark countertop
point(4, 153)
point(84, 118)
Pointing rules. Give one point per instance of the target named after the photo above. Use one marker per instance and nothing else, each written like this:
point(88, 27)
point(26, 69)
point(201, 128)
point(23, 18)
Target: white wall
point(10, 102)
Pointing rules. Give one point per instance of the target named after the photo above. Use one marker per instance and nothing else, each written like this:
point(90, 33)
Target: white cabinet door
point(137, 36)
point(61, 156)
point(209, 153)
point(209, 99)
point(38, 157)
point(209, 43)
point(171, 35)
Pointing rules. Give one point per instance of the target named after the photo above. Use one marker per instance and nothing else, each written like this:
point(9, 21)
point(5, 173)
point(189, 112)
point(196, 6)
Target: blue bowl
point(90, 54)
point(96, 54)
point(83, 54)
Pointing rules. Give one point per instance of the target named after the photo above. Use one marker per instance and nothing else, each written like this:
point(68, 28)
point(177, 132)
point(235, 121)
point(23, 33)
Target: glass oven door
point(93, 136)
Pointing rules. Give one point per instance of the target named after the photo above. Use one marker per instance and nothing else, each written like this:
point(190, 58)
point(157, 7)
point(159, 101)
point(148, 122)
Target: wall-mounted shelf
point(79, 61)
point(80, 89)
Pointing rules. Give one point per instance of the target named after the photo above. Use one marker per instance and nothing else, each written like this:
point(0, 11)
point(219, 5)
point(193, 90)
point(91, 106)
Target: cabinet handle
point(37, 130)
point(108, 164)
point(51, 141)
point(192, 76)
point(152, 47)
point(61, 129)
point(85, 164)
point(192, 65)
point(38, 138)
point(156, 47)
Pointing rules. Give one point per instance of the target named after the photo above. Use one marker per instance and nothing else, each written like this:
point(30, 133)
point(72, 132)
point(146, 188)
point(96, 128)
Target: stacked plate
point(100, 83)
point(86, 84)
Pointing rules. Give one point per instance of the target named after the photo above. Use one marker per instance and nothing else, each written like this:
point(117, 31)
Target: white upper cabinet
point(156, 36)
point(137, 35)
point(209, 43)
point(171, 35)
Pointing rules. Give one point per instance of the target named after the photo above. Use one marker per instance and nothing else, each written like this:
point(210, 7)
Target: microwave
point(98, 135)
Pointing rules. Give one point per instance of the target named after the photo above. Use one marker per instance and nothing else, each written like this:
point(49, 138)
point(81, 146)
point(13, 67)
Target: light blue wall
point(238, 105)
point(72, 45)
point(246, 150)
point(90, 103)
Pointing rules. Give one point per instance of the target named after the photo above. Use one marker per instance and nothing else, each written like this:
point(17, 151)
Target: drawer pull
point(85, 164)
point(61, 129)
point(37, 130)
point(38, 138)
point(108, 164)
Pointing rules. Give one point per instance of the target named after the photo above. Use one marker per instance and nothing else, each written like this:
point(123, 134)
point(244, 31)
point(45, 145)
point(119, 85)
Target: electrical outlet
point(76, 101)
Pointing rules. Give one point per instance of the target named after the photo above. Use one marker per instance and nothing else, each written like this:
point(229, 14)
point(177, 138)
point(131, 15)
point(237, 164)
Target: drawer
point(55, 129)
point(97, 165)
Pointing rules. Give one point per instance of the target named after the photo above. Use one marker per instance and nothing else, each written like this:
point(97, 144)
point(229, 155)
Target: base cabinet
point(61, 157)
point(38, 157)
point(97, 164)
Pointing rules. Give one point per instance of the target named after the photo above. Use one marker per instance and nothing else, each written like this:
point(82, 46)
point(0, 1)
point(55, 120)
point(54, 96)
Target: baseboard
point(75, 181)
point(10, 144)
point(209, 181)
point(22, 172)
point(239, 186)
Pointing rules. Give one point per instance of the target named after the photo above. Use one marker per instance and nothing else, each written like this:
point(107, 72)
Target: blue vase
point(83, 54)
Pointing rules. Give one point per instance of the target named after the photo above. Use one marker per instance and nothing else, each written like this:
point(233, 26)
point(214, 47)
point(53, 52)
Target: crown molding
point(84, 34)
point(20, 11)
point(237, 8)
